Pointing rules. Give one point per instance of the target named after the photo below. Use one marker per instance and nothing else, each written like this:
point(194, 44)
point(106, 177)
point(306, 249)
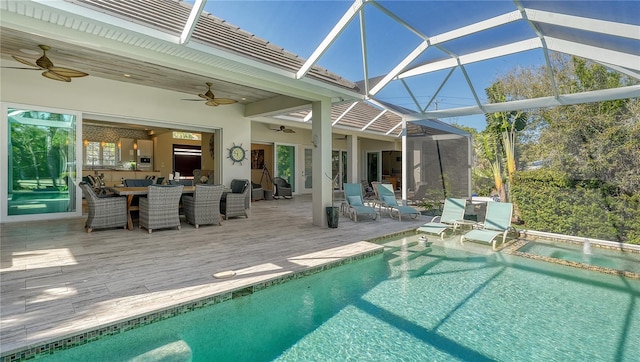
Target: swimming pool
point(413, 303)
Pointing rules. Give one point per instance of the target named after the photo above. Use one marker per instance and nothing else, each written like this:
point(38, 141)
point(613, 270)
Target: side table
point(460, 223)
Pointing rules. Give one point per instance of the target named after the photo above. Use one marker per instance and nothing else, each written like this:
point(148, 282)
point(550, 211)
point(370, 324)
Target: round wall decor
point(237, 153)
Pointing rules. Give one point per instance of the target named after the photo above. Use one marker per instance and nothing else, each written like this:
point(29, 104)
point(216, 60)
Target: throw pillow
point(390, 200)
point(355, 201)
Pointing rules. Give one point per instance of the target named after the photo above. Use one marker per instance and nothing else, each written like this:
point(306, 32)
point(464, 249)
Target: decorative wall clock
point(237, 153)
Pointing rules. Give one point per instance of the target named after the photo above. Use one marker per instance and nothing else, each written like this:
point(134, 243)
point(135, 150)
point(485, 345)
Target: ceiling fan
point(50, 70)
point(211, 99)
point(283, 129)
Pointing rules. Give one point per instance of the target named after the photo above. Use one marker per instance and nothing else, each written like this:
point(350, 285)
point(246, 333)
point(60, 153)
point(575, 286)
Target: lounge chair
point(203, 208)
point(355, 202)
point(496, 222)
point(453, 210)
point(388, 201)
point(368, 192)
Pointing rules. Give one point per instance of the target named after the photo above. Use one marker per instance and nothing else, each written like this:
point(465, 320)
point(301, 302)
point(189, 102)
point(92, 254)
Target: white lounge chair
point(452, 211)
point(497, 222)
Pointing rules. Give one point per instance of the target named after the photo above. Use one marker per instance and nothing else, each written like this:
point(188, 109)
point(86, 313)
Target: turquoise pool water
point(607, 258)
point(414, 303)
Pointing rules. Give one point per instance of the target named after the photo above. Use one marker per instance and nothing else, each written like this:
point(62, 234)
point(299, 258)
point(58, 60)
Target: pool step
point(401, 256)
point(396, 245)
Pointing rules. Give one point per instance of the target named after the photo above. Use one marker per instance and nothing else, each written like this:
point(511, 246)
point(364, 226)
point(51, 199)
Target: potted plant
point(333, 212)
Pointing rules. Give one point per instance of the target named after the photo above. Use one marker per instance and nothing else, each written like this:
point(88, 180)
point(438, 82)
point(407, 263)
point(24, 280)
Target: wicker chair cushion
point(238, 186)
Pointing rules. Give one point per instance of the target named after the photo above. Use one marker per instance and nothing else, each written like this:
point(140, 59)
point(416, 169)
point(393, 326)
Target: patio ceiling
point(178, 46)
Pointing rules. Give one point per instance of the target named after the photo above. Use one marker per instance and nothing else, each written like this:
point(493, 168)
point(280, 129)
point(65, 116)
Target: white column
point(353, 157)
point(405, 163)
point(321, 180)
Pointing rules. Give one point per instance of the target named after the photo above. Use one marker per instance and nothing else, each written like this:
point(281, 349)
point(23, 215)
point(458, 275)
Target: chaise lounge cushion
point(390, 200)
point(355, 201)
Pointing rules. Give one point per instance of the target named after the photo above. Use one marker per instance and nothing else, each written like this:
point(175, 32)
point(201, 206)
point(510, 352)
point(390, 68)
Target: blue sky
point(300, 26)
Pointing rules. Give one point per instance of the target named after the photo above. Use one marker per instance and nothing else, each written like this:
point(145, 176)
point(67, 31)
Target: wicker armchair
point(236, 202)
point(160, 209)
point(198, 176)
point(283, 188)
point(257, 192)
point(203, 208)
point(104, 212)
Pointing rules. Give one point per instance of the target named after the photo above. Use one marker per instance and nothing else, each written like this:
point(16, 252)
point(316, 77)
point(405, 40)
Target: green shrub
point(551, 201)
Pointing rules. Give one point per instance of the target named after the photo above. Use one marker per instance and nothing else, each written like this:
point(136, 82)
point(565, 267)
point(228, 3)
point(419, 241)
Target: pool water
point(414, 303)
point(607, 258)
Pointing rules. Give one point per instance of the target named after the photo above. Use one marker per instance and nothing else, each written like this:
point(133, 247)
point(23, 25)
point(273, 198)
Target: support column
point(406, 168)
point(352, 165)
point(322, 183)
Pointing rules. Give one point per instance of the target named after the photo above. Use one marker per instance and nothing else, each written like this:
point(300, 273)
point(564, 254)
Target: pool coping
point(80, 338)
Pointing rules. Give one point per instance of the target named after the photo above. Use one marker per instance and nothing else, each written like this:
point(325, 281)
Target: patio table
point(459, 223)
point(130, 192)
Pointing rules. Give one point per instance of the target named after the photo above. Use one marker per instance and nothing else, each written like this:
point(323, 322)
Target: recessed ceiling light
point(29, 51)
point(127, 75)
point(244, 98)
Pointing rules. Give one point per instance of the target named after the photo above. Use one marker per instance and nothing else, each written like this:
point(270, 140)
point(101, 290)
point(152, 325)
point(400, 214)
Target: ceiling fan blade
point(67, 72)
point(191, 99)
point(21, 68)
point(225, 101)
point(204, 97)
point(212, 103)
point(55, 76)
point(26, 62)
point(288, 130)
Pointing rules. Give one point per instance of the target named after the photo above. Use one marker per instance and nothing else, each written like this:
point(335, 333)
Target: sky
point(300, 26)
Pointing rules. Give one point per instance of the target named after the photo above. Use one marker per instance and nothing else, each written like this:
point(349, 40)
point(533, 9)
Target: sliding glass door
point(286, 164)
point(40, 164)
point(339, 168)
point(374, 162)
point(306, 181)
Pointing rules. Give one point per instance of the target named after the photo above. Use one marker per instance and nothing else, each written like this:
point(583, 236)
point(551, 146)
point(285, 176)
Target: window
point(100, 154)
point(109, 154)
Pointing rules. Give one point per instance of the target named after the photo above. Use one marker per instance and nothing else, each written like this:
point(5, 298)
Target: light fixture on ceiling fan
point(211, 99)
point(50, 70)
point(283, 129)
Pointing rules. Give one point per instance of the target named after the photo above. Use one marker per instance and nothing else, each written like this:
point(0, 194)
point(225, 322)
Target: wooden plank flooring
point(56, 280)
